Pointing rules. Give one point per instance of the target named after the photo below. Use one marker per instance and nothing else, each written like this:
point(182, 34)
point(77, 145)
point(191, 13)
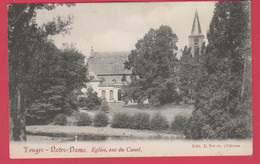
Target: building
point(106, 70)
point(196, 37)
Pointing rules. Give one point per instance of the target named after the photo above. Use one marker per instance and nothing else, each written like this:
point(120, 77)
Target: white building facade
point(106, 70)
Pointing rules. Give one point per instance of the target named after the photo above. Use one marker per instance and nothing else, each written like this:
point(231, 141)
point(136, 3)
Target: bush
point(91, 101)
point(179, 123)
point(194, 125)
point(104, 106)
point(208, 132)
point(158, 122)
point(233, 128)
point(41, 113)
point(101, 120)
point(60, 119)
point(141, 121)
point(84, 120)
point(122, 120)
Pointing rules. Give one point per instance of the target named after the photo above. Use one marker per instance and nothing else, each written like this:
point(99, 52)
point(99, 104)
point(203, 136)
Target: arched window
point(196, 51)
point(111, 97)
point(119, 95)
point(103, 94)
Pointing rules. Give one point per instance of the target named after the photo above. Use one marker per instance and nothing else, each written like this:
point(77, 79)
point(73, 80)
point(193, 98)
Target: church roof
point(196, 29)
point(94, 77)
point(108, 63)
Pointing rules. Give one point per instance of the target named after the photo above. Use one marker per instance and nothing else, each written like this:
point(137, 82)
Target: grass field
point(169, 110)
point(47, 132)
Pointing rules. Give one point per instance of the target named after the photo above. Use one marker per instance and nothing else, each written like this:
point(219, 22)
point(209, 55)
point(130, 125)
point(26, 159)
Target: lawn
point(169, 110)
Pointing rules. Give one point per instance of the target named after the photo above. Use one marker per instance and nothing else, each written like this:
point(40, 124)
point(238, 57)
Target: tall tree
point(190, 71)
point(56, 77)
point(23, 37)
point(152, 64)
point(219, 112)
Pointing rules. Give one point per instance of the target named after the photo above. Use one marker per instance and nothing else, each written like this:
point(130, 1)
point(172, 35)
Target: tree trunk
point(17, 121)
point(246, 90)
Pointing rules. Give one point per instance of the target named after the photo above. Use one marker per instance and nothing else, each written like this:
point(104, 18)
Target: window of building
point(196, 39)
point(119, 94)
point(196, 51)
point(103, 94)
point(111, 97)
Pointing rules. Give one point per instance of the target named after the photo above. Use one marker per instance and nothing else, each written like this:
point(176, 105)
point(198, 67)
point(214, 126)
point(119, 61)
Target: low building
point(106, 70)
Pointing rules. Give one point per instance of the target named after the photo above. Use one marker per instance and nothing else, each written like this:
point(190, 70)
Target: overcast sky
point(118, 26)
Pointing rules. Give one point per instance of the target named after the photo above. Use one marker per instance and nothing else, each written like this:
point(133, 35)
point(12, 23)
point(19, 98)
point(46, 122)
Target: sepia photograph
point(130, 79)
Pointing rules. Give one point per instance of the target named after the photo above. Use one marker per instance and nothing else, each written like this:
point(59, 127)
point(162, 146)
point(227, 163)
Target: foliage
point(25, 39)
point(219, 111)
point(40, 113)
point(101, 120)
point(122, 120)
point(57, 77)
point(159, 122)
point(189, 72)
point(60, 119)
point(104, 106)
point(141, 121)
point(153, 68)
point(84, 119)
point(91, 101)
point(179, 123)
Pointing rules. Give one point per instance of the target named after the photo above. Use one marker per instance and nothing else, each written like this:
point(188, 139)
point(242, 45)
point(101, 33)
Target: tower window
point(196, 39)
point(196, 50)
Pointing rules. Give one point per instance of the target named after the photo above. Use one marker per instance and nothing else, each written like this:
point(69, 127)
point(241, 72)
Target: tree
point(152, 64)
point(24, 35)
point(56, 78)
point(190, 71)
point(186, 74)
point(220, 112)
point(91, 101)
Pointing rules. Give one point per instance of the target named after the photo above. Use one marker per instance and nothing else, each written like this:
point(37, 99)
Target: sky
point(118, 26)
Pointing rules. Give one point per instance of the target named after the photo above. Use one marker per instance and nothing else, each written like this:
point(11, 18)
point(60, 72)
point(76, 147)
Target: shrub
point(122, 120)
point(158, 122)
point(207, 132)
point(104, 106)
point(41, 113)
point(179, 123)
point(141, 121)
point(60, 119)
point(233, 128)
point(101, 120)
point(194, 125)
point(84, 120)
point(91, 101)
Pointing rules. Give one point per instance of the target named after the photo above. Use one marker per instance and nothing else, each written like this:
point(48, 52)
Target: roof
point(94, 77)
point(196, 29)
point(108, 63)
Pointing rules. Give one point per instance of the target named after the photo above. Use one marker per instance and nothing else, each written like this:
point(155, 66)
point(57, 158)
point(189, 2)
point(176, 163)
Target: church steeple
point(196, 37)
point(196, 30)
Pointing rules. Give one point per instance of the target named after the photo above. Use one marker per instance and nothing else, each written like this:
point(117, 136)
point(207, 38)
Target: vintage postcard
point(130, 79)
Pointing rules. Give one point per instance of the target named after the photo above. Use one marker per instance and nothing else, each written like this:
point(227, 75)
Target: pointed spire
point(196, 29)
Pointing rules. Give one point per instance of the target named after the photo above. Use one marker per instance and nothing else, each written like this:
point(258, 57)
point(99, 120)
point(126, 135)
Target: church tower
point(196, 37)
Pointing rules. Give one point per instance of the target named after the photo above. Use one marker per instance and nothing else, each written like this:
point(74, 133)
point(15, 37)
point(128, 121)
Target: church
point(106, 69)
